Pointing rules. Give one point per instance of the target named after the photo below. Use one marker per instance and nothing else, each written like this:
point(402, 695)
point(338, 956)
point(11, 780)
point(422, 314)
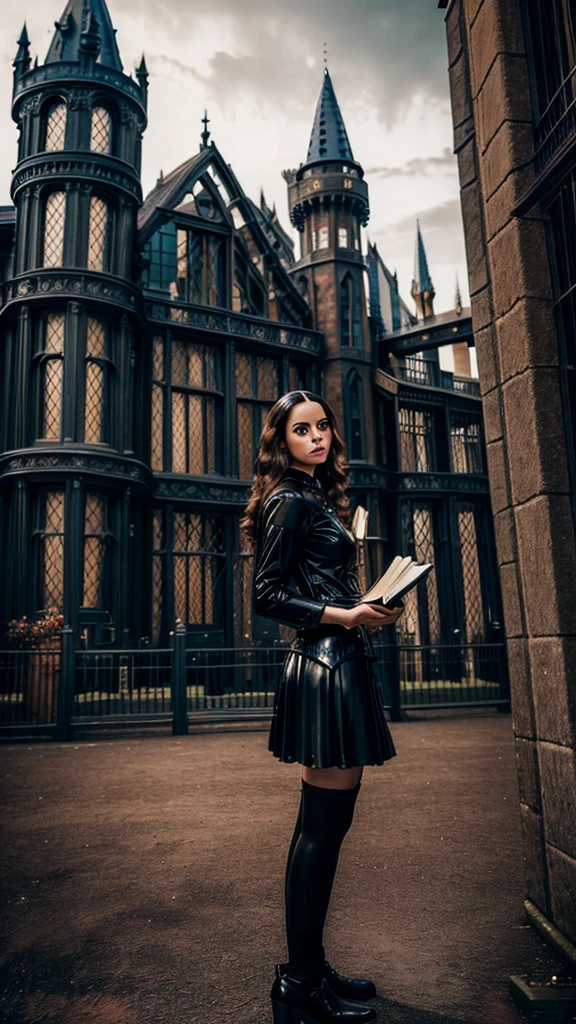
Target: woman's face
point(308, 435)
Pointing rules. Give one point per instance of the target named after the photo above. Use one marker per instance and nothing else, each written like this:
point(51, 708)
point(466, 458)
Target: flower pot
point(42, 681)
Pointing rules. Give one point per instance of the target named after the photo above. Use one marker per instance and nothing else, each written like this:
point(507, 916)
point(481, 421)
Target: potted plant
point(43, 669)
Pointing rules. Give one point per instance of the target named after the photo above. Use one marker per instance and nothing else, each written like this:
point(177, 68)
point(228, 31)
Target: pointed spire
point(458, 298)
point(328, 140)
point(22, 59)
point(142, 79)
point(422, 290)
point(205, 133)
point(85, 31)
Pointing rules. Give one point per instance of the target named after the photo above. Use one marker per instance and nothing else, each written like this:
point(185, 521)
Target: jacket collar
point(300, 476)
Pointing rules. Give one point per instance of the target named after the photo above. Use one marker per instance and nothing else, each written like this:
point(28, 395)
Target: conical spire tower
point(329, 138)
point(422, 290)
point(85, 27)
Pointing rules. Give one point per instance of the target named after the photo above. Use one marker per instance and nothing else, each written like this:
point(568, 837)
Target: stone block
point(535, 434)
point(487, 357)
point(526, 337)
point(497, 29)
point(454, 30)
point(534, 862)
point(547, 560)
point(520, 689)
point(464, 132)
point(562, 882)
point(500, 204)
point(504, 96)
point(467, 163)
point(505, 530)
point(481, 306)
point(492, 415)
point(473, 221)
point(499, 492)
point(513, 620)
point(459, 91)
point(528, 776)
point(553, 674)
point(558, 794)
point(511, 149)
point(518, 264)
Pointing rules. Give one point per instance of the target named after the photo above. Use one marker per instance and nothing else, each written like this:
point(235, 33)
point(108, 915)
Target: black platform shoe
point(346, 988)
point(297, 1001)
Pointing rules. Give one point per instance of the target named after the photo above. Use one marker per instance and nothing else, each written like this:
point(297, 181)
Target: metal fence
point(66, 689)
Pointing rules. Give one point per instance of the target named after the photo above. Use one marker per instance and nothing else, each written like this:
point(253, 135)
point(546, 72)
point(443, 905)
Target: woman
point(328, 713)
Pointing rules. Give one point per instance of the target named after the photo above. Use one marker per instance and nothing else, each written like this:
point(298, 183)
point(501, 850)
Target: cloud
point(426, 167)
point(381, 54)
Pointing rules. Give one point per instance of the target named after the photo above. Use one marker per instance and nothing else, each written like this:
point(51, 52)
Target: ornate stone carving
point(229, 323)
point(102, 287)
point(81, 99)
point(102, 169)
point(202, 490)
point(90, 462)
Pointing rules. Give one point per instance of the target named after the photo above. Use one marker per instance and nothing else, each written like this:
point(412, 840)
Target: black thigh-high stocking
point(326, 815)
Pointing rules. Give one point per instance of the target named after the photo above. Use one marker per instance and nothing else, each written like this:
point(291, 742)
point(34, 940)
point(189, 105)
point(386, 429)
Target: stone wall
point(517, 350)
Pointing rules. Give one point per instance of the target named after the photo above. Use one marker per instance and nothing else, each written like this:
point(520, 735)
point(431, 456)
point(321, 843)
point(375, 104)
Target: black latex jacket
point(306, 559)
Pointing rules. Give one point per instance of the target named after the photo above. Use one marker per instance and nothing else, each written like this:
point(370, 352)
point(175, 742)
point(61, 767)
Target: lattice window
point(297, 374)
point(355, 432)
point(424, 552)
point(96, 380)
point(350, 316)
point(200, 268)
point(52, 551)
point(257, 378)
point(416, 439)
point(100, 130)
point(95, 538)
point(98, 234)
point(52, 376)
point(420, 622)
point(55, 127)
point(199, 559)
point(466, 442)
point(194, 424)
point(54, 217)
point(157, 417)
point(158, 561)
point(417, 369)
point(471, 582)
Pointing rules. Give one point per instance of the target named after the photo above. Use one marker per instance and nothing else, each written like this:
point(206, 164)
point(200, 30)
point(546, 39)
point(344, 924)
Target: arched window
point(52, 363)
point(355, 405)
point(350, 319)
point(98, 234)
point(55, 133)
point(97, 372)
point(54, 229)
point(101, 130)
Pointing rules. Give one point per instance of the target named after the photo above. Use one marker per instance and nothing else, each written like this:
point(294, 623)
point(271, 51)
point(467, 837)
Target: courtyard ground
point(143, 876)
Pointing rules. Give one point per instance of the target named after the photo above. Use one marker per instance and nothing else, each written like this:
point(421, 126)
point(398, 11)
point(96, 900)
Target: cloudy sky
point(257, 66)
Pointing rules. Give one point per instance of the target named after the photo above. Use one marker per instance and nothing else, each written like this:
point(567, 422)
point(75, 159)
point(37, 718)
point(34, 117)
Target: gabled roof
point(329, 140)
point(85, 25)
point(169, 189)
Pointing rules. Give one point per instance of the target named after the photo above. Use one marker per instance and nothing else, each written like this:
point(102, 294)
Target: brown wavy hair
point(272, 461)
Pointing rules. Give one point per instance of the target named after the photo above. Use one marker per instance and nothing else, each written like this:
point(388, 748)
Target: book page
point(397, 567)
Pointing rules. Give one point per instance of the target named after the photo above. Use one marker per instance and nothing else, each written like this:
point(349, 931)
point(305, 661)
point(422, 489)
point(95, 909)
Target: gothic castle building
point(144, 340)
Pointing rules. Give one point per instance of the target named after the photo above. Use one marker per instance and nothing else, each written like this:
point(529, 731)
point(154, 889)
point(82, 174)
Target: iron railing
point(65, 689)
point(419, 370)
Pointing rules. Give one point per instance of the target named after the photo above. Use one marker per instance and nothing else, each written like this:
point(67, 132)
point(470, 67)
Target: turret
point(422, 290)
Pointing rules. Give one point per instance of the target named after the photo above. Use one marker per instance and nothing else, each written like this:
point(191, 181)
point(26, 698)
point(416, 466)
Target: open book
point(401, 575)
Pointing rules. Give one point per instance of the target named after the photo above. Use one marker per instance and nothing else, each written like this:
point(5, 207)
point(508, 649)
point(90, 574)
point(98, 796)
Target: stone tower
point(72, 315)
point(328, 202)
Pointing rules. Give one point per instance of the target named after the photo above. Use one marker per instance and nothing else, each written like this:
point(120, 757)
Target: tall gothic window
point(350, 316)
point(257, 388)
point(158, 563)
point(158, 400)
point(355, 432)
point(97, 372)
point(475, 626)
point(100, 130)
point(51, 370)
point(420, 623)
point(54, 215)
point(51, 551)
point(55, 126)
point(97, 549)
point(466, 443)
point(417, 451)
point(199, 558)
point(201, 267)
point(98, 234)
point(196, 408)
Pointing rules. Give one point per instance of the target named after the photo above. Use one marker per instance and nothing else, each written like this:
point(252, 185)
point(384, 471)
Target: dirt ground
point(142, 877)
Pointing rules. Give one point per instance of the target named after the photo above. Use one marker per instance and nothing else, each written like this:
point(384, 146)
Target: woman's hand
point(372, 615)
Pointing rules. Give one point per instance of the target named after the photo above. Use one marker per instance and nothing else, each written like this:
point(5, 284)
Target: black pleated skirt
point(326, 716)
